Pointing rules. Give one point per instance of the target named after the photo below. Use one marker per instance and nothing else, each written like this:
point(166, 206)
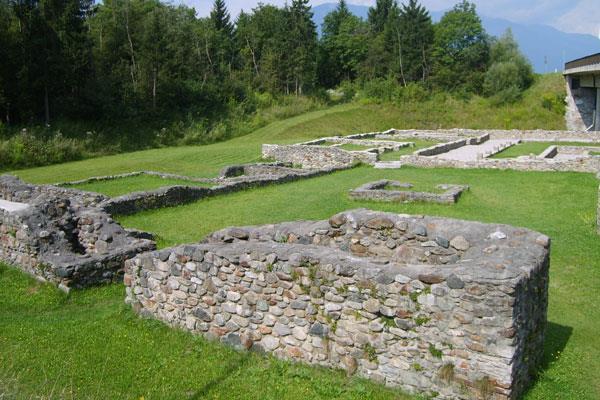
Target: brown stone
point(337, 220)
point(431, 278)
point(358, 249)
point(350, 364)
point(379, 223)
point(294, 352)
point(265, 330)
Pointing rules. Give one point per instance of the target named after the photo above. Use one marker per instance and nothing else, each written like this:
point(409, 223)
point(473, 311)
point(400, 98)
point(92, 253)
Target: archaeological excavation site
point(443, 307)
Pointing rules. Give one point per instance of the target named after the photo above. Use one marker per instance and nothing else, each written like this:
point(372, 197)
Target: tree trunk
point(154, 89)
point(133, 64)
point(46, 105)
point(400, 58)
point(253, 57)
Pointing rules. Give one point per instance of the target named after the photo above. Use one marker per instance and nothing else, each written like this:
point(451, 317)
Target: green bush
point(27, 150)
point(553, 102)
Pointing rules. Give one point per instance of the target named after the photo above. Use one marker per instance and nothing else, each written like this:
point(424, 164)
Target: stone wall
point(254, 176)
point(312, 156)
point(525, 163)
point(524, 135)
point(388, 190)
point(435, 306)
point(63, 236)
point(446, 147)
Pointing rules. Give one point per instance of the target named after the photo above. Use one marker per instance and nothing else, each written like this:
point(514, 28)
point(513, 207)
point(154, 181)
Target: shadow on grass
point(239, 361)
point(557, 337)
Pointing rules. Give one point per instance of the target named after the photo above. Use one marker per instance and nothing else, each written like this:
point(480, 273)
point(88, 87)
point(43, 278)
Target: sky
point(574, 16)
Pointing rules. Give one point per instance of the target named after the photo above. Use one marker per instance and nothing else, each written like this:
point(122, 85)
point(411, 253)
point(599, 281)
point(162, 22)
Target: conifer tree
point(416, 38)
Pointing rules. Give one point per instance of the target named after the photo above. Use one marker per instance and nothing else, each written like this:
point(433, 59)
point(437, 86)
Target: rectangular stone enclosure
point(391, 191)
point(443, 307)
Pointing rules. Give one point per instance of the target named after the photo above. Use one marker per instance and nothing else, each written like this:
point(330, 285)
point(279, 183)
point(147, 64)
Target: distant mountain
point(547, 48)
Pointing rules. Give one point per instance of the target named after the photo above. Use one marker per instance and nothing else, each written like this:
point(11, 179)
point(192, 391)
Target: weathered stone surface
point(376, 315)
point(460, 243)
point(64, 236)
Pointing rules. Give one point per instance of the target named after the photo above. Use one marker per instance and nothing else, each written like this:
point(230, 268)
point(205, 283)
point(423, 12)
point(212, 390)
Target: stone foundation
point(313, 156)
point(310, 155)
point(439, 306)
point(377, 191)
point(63, 236)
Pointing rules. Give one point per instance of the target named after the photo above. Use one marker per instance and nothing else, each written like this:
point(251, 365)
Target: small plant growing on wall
point(485, 387)
point(435, 352)
point(446, 373)
point(370, 352)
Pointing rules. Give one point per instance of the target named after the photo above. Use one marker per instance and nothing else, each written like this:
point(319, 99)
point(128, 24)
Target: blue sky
point(578, 16)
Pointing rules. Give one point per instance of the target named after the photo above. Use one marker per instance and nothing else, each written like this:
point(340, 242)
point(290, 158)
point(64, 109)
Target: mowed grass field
point(89, 344)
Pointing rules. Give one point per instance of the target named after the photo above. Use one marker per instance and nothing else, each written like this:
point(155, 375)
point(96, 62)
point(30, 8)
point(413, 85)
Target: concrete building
point(583, 93)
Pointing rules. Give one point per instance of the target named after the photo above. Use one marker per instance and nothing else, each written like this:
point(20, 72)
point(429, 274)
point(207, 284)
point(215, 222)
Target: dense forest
point(148, 63)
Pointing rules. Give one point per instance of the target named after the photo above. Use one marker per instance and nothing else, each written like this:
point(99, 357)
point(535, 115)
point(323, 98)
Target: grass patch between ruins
point(121, 186)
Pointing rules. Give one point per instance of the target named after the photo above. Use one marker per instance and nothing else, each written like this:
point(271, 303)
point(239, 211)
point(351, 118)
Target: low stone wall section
point(436, 306)
point(317, 157)
point(446, 147)
point(63, 236)
point(378, 191)
point(170, 196)
point(584, 164)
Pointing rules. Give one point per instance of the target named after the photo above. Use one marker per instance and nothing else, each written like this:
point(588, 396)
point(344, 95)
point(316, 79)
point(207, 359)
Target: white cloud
point(584, 18)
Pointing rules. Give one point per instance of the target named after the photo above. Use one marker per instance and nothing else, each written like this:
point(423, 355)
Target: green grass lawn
point(527, 148)
point(90, 345)
point(120, 186)
point(395, 155)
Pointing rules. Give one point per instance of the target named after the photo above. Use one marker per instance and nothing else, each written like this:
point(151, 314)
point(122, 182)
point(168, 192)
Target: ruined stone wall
point(392, 191)
point(428, 304)
point(586, 164)
point(316, 156)
point(63, 236)
point(169, 196)
point(446, 147)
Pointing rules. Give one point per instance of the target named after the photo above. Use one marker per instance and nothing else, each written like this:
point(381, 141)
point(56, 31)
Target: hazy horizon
point(576, 16)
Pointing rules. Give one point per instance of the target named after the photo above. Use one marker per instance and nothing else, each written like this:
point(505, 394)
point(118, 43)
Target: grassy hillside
point(345, 119)
point(90, 345)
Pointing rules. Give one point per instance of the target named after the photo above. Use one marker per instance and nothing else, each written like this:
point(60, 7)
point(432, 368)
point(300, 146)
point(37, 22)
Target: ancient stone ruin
point(62, 235)
point(391, 191)
point(456, 148)
point(231, 179)
point(433, 305)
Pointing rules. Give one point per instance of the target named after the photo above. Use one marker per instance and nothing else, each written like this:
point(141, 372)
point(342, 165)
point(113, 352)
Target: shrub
point(553, 102)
